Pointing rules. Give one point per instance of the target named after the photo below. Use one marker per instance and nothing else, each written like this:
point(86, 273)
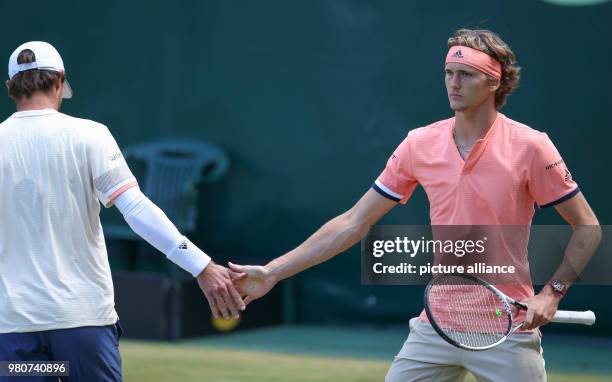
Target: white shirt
point(54, 172)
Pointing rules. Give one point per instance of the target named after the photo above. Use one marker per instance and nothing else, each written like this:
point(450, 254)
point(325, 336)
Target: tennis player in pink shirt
point(477, 168)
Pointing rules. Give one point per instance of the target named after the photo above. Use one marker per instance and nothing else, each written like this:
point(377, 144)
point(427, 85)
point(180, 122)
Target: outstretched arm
point(335, 236)
point(150, 223)
point(114, 183)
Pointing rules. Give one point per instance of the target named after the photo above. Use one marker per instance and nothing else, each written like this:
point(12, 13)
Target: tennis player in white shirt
point(56, 292)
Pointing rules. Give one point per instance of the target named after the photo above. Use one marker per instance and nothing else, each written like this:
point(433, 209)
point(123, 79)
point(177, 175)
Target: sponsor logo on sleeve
point(115, 156)
point(553, 165)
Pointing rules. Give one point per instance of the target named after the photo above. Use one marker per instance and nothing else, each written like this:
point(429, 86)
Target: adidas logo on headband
point(475, 58)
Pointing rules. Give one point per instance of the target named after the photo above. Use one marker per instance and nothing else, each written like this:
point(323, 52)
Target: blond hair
point(491, 44)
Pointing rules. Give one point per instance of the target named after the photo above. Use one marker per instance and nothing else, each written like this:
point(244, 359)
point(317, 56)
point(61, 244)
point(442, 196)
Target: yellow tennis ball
point(224, 325)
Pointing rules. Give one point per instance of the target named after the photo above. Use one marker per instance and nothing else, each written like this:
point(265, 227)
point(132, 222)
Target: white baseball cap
point(45, 57)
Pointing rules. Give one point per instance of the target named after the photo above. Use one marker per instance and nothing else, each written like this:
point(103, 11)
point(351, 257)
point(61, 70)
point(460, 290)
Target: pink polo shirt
point(506, 172)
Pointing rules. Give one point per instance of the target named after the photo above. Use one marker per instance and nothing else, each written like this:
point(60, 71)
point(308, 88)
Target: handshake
point(230, 290)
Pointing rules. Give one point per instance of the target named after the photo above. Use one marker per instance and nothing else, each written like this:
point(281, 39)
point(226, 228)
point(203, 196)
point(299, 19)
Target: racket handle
point(572, 317)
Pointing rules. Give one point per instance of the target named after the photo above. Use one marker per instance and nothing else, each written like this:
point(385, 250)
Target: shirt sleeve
point(397, 181)
point(109, 171)
point(550, 182)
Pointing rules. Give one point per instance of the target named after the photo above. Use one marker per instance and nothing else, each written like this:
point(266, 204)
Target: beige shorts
point(425, 356)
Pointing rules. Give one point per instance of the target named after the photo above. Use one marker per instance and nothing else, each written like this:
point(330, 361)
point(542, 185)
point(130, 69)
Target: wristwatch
point(558, 287)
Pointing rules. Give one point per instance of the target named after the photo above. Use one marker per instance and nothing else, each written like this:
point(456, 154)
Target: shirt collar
point(33, 113)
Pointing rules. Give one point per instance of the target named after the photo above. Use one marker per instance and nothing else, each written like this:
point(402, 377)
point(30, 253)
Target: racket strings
point(467, 312)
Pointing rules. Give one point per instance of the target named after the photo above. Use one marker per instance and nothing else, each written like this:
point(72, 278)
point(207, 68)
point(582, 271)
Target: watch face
point(557, 285)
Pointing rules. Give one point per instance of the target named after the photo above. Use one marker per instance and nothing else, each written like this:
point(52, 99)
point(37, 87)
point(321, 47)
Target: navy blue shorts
point(93, 352)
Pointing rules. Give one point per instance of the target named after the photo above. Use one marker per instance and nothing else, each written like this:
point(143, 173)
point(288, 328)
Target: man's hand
point(541, 308)
point(257, 282)
point(216, 283)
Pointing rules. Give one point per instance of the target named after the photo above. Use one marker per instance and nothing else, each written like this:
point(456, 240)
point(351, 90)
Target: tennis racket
point(472, 314)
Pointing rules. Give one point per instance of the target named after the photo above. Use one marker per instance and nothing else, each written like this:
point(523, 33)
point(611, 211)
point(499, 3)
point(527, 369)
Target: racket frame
point(505, 300)
point(562, 316)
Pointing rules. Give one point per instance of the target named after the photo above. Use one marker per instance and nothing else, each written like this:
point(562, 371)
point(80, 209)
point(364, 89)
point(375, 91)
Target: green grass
point(159, 362)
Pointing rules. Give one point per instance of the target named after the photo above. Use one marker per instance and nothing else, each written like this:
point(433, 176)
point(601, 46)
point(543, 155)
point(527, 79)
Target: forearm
point(149, 222)
point(334, 237)
point(581, 247)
